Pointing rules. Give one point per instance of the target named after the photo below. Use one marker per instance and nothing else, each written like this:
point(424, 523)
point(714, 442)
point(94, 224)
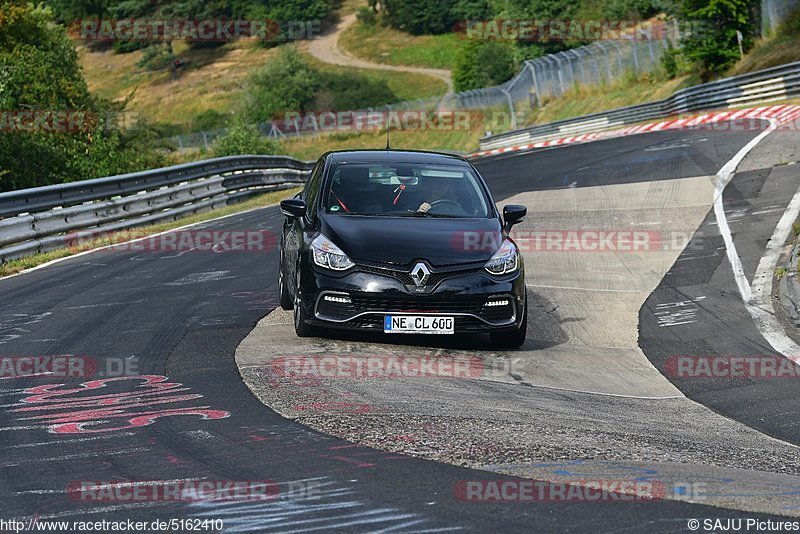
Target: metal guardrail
point(40, 219)
point(768, 85)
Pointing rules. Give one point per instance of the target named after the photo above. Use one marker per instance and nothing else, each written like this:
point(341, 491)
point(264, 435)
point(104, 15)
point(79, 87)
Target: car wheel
point(301, 328)
point(286, 301)
point(514, 339)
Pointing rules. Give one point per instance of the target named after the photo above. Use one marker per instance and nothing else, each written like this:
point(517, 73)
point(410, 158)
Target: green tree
point(711, 41)
point(40, 73)
point(483, 64)
point(286, 84)
point(243, 139)
point(421, 16)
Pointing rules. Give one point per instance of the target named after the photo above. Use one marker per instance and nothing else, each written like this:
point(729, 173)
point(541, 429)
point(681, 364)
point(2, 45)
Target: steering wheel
point(447, 202)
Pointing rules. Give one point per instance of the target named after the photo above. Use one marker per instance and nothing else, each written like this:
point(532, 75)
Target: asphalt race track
point(718, 323)
point(182, 316)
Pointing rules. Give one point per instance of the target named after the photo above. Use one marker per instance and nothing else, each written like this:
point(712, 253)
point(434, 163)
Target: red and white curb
point(783, 114)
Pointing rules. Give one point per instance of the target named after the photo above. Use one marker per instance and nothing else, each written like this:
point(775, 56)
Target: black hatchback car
point(401, 242)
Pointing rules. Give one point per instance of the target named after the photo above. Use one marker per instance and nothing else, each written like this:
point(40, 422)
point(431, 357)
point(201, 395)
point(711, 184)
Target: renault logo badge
point(420, 274)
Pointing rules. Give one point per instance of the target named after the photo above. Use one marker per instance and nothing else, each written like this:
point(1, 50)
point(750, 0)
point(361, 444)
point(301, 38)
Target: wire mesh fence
point(549, 76)
point(773, 12)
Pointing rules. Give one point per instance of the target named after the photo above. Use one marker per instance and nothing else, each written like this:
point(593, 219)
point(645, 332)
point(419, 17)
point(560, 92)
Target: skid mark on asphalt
point(701, 484)
point(12, 325)
point(329, 508)
point(676, 313)
point(92, 455)
point(199, 278)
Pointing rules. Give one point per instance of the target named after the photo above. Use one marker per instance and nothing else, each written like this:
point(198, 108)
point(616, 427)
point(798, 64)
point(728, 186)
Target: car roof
point(394, 156)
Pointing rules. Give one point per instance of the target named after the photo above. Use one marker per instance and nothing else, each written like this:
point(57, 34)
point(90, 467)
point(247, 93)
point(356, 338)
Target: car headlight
point(328, 255)
point(505, 260)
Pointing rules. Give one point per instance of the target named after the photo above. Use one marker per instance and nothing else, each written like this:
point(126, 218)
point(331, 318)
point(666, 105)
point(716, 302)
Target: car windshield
point(405, 190)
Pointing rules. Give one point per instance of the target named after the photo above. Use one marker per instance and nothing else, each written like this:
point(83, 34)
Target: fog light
point(341, 300)
point(504, 302)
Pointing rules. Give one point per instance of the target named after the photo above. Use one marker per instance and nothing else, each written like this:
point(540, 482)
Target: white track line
point(760, 305)
point(757, 298)
point(724, 176)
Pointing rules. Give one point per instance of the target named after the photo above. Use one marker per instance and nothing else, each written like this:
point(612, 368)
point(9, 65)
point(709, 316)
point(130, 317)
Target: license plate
point(417, 324)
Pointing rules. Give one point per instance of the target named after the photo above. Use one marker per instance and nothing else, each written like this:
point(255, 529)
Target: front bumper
point(360, 298)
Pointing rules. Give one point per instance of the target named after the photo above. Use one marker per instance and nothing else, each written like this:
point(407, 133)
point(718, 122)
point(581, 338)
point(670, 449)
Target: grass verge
point(382, 44)
point(579, 101)
point(584, 100)
point(260, 201)
point(213, 79)
point(404, 85)
point(779, 48)
point(310, 147)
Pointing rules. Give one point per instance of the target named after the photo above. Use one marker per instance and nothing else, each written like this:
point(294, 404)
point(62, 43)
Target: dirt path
point(326, 49)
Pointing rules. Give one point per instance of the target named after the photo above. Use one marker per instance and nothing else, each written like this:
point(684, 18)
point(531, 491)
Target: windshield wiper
point(418, 214)
point(437, 215)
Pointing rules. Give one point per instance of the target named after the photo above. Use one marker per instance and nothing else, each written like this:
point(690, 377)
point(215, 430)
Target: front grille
point(374, 306)
point(404, 276)
point(498, 314)
point(337, 311)
point(364, 303)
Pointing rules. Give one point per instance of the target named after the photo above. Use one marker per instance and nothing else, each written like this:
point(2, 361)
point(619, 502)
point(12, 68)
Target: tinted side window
point(311, 191)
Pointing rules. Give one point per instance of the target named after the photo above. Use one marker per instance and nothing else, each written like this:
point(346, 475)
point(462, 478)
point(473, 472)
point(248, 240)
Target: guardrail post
point(619, 58)
point(559, 70)
point(511, 109)
point(534, 80)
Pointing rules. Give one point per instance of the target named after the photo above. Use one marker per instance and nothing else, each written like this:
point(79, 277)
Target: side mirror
point(293, 207)
point(512, 214)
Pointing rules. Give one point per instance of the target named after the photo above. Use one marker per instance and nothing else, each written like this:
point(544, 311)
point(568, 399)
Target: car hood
point(401, 240)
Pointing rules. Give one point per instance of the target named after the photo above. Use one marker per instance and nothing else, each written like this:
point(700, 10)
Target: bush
point(791, 24)
point(40, 71)
point(472, 10)
point(282, 11)
point(209, 119)
point(714, 46)
point(243, 139)
point(349, 91)
point(669, 61)
point(366, 16)
point(421, 16)
point(289, 84)
point(157, 56)
point(483, 64)
point(286, 84)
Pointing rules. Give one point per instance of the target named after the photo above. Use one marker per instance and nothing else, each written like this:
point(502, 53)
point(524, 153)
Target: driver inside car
point(437, 190)
point(429, 190)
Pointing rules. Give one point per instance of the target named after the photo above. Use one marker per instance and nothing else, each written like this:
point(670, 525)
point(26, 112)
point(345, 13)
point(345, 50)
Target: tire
point(286, 301)
point(514, 339)
point(301, 328)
